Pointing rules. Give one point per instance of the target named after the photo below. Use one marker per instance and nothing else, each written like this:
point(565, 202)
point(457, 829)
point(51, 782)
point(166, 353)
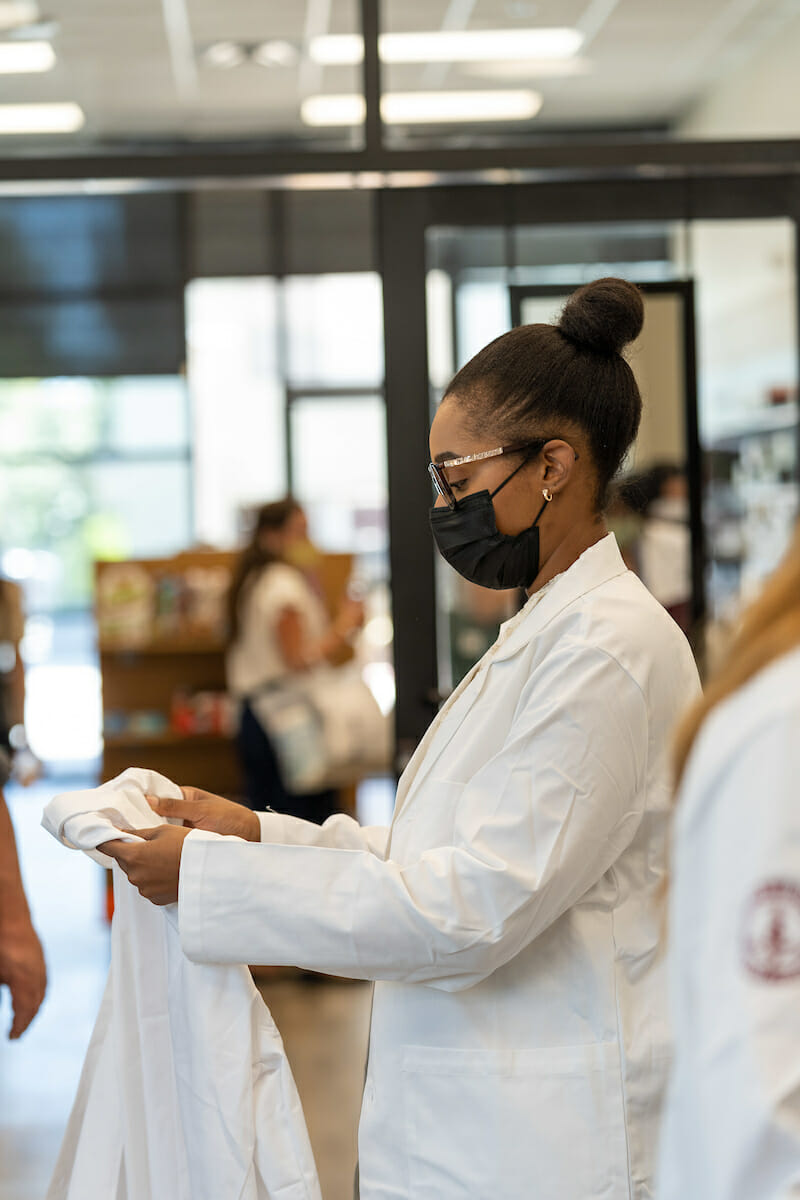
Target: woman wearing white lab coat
point(732, 1123)
point(511, 914)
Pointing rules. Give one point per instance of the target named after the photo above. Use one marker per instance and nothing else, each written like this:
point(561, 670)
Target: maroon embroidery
point(771, 932)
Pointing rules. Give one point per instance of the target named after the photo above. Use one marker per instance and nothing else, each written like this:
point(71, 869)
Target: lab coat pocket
point(543, 1124)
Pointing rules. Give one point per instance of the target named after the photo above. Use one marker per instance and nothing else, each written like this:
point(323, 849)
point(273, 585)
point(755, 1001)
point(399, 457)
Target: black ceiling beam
point(612, 157)
point(373, 125)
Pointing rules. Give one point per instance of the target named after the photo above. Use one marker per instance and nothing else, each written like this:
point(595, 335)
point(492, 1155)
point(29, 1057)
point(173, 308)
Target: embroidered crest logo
point(771, 932)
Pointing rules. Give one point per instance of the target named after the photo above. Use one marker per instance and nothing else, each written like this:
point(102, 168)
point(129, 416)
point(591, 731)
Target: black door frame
point(403, 217)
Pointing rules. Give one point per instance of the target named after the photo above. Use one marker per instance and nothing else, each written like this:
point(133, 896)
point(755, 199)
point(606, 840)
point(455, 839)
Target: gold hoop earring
point(548, 495)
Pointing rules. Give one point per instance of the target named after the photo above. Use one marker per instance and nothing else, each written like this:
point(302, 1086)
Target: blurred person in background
point(22, 966)
point(279, 629)
point(661, 551)
point(732, 1121)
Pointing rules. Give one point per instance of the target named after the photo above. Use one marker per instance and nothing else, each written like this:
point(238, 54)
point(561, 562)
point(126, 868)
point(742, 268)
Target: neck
point(568, 550)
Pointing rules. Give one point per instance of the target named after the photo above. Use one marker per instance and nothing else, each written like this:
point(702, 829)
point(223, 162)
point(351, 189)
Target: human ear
point(558, 461)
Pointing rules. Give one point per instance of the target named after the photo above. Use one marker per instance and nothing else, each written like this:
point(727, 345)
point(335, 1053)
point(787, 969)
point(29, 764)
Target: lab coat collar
point(596, 566)
point(600, 563)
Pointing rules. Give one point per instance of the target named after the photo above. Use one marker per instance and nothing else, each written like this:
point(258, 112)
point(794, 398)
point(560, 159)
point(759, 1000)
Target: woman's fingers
point(115, 848)
point(152, 864)
point(204, 810)
point(22, 969)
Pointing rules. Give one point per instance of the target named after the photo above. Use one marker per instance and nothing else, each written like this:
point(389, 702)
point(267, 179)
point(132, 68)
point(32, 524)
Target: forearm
point(13, 905)
point(18, 693)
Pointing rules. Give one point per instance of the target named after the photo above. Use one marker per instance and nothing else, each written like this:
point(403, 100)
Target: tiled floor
point(324, 1025)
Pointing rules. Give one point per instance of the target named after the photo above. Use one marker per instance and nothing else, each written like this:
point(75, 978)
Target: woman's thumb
point(169, 806)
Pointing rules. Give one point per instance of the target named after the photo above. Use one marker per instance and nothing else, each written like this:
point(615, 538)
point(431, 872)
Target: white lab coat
point(186, 1092)
point(732, 1121)
point(518, 1042)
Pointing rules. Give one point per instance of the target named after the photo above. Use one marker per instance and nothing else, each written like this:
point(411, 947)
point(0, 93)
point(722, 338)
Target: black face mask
point(468, 538)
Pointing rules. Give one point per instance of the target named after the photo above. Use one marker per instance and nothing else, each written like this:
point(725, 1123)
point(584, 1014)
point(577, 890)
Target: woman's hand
point(349, 618)
point(203, 810)
point(23, 971)
point(153, 866)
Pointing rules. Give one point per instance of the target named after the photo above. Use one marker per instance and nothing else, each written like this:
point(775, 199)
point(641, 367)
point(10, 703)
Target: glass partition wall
point(717, 367)
point(137, 435)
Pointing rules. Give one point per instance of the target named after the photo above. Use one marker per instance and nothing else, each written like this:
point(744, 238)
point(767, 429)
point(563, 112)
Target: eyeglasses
point(437, 470)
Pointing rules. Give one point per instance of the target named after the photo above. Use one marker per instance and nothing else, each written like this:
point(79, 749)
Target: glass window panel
point(328, 231)
point(483, 312)
point(231, 234)
point(43, 416)
point(747, 380)
point(146, 505)
point(238, 401)
point(91, 337)
point(334, 327)
point(339, 470)
point(57, 244)
point(147, 414)
point(73, 418)
point(57, 518)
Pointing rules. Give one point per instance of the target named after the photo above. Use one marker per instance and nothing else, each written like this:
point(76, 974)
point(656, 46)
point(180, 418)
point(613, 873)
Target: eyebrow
point(445, 455)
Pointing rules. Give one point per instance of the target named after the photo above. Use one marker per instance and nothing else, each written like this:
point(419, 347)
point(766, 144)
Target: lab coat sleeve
point(534, 829)
point(339, 832)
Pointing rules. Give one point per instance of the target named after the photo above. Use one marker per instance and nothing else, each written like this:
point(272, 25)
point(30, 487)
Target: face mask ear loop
point(508, 479)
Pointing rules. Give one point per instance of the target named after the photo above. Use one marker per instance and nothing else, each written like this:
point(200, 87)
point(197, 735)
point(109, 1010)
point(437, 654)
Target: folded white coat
point(186, 1092)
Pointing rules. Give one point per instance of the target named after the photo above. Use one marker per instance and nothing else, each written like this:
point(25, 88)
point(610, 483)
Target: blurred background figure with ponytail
point(279, 629)
point(732, 1125)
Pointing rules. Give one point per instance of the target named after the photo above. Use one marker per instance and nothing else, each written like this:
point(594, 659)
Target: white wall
point(758, 98)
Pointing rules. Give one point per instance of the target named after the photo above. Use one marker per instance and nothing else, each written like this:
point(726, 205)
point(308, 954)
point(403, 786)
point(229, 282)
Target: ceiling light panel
point(423, 108)
point(22, 58)
point(451, 46)
point(40, 118)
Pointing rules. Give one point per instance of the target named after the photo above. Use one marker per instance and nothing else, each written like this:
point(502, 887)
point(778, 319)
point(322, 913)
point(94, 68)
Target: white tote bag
point(326, 728)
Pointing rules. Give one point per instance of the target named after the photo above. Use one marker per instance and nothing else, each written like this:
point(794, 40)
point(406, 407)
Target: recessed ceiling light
point(457, 45)
point(333, 110)
point(412, 108)
point(17, 12)
point(275, 54)
point(224, 55)
point(529, 68)
point(19, 58)
point(415, 108)
point(41, 118)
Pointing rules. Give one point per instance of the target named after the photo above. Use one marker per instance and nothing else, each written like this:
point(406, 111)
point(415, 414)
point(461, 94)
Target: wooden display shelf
point(179, 646)
point(120, 741)
point(145, 677)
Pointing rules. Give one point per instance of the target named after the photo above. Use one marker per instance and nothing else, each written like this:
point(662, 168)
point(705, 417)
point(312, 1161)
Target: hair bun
point(604, 315)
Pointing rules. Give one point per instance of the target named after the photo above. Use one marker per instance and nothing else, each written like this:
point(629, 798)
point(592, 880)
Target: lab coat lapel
point(596, 566)
point(600, 563)
point(436, 737)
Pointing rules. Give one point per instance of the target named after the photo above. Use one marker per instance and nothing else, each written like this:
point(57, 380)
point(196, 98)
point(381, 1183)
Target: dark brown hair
point(536, 377)
point(256, 556)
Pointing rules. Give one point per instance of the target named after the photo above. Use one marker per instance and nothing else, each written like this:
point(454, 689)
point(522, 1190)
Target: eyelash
point(458, 484)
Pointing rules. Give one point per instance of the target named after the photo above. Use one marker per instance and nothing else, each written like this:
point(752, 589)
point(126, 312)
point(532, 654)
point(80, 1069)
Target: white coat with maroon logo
point(732, 1124)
